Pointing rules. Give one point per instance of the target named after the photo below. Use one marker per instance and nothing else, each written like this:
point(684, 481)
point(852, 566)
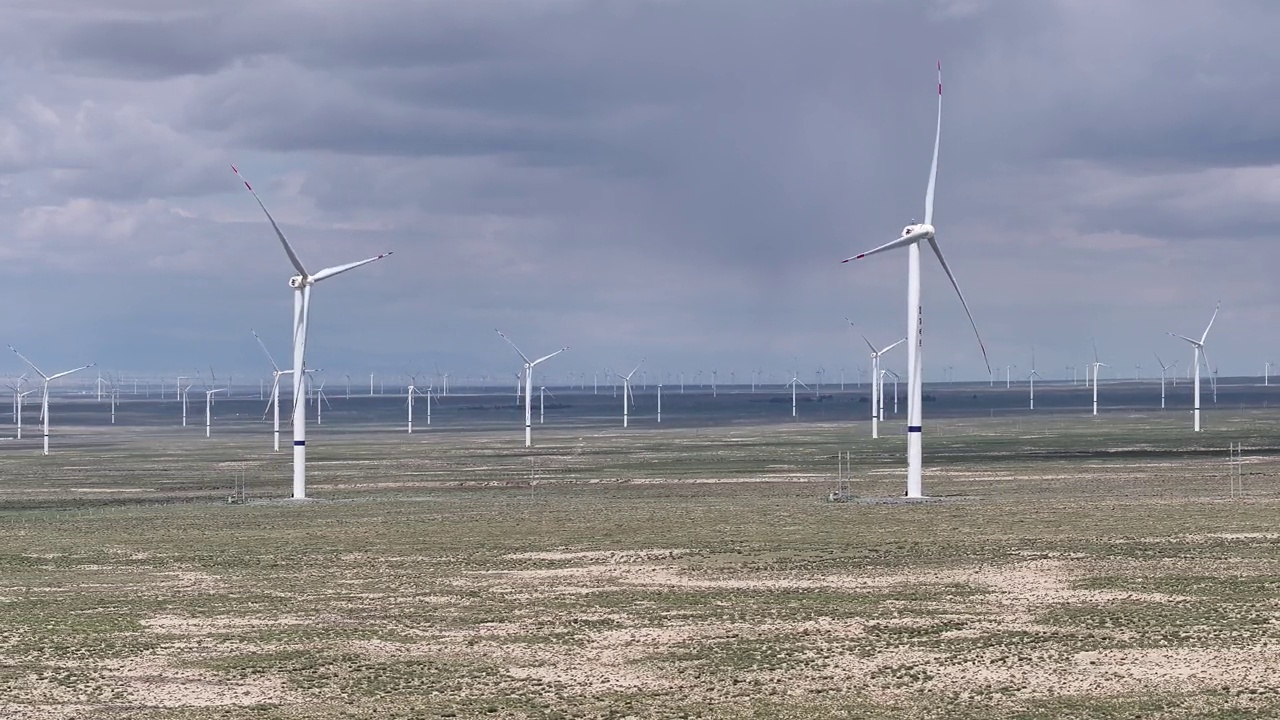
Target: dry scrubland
point(435, 580)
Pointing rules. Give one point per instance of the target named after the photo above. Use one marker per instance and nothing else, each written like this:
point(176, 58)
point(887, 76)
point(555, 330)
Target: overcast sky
point(669, 179)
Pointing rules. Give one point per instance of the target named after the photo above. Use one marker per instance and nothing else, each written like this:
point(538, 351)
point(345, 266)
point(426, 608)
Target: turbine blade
point(548, 357)
point(1162, 365)
point(1184, 337)
point(1208, 368)
point(637, 367)
point(868, 342)
point(68, 372)
point(1215, 317)
point(288, 249)
point(25, 360)
point(339, 269)
point(933, 243)
point(891, 245)
point(264, 350)
point(513, 345)
point(933, 169)
point(882, 352)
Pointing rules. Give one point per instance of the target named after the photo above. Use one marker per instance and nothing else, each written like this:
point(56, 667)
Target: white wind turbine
point(276, 372)
point(209, 392)
point(1094, 366)
point(209, 409)
point(21, 401)
point(795, 380)
point(542, 392)
point(1031, 379)
point(529, 365)
point(627, 398)
point(320, 398)
point(1163, 369)
point(183, 390)
point(1198, 352)
point(912, 236)
point(114, 389)
point(301, 284)
point(876, 393)
point(44, 392)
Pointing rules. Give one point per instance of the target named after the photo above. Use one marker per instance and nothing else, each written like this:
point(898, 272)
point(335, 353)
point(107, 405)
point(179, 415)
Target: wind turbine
point(1031, 379)
point(412, 390)
point(44, 393)
point(320, 397)
point(529, 365)
point(542, 391)
point(114, 390)
point(301, 284)
point(1163, 369)
point(1198, 353)
point(876, 393)
point(912, 236)
point(627, 397)
point(1094, 366)
point(21, 398)
point(182, 390)
point(795, 380)
point(276, 372)
point(209, 392)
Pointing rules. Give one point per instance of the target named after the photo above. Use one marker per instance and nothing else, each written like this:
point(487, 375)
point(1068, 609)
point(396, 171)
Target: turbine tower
point(529, 365)
point(301, 284)
point(1198, 353)
point(44, 392)
point(912, 236)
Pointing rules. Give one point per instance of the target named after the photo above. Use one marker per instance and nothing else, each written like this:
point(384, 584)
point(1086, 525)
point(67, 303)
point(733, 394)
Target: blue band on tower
point(299, 443)
point(915, 428)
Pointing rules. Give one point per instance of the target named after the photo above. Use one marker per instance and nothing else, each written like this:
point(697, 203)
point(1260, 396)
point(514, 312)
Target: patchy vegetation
point(647, 574)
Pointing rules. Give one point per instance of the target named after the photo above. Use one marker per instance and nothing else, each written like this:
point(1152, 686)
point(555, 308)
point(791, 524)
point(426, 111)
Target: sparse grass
point(671, 573)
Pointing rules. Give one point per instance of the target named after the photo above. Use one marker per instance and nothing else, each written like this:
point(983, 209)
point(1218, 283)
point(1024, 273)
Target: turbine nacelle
point(298, 281)
point(918, 231)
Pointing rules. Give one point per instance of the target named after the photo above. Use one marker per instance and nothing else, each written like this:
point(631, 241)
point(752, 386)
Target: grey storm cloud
point(669, 178)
